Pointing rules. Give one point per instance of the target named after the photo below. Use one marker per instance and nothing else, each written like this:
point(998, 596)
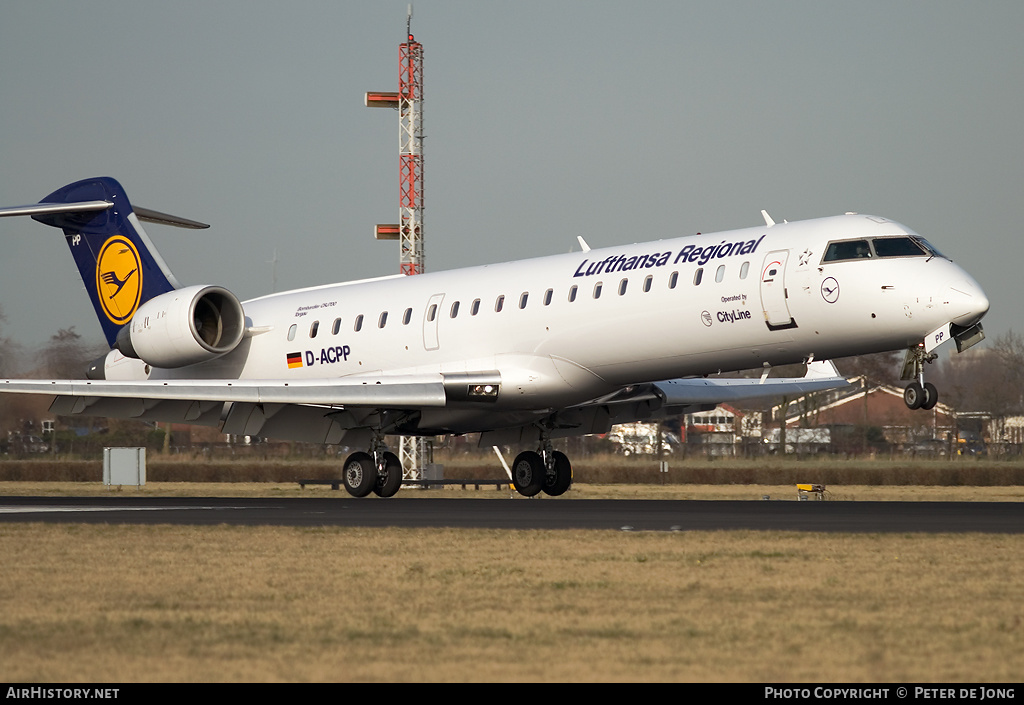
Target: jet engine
point(183, 327)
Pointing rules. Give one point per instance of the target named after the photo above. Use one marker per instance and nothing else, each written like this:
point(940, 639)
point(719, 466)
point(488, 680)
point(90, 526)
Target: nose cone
point(965, 302)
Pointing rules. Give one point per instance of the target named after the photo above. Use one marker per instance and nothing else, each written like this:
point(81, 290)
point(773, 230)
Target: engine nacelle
point(183, 327)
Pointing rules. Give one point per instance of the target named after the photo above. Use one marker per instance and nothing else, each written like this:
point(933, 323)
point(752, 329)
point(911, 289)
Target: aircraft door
point(773, 291)
point(431, 316)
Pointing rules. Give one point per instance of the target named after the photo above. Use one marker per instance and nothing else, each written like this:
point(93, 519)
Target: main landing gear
point(379, 472)
point(548, 471)
point(918, 394)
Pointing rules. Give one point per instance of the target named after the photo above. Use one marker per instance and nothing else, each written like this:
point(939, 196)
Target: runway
point(521, 513)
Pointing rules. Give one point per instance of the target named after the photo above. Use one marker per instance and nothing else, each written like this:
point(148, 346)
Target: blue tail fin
point(119, 265)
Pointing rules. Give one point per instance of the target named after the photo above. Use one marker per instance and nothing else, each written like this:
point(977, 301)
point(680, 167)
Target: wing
point(347, 408)
point(658, 400)
point(316, 411)
point(313, 411)
point(702, 391)
point(820, 376)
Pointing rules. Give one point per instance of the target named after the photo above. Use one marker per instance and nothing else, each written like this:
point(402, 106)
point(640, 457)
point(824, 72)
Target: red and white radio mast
point(409, 102)
point(415, 453)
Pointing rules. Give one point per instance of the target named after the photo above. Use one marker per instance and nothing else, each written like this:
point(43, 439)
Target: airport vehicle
point(522, 352)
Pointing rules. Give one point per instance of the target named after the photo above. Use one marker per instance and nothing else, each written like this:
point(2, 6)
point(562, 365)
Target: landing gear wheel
point(359, 474)
point(389, 480)
point(558, 480)
point(931, 395)
point(528, 473)
point(914, 395)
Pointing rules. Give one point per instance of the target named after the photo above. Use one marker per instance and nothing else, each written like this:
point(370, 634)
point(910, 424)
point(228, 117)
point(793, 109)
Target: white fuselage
point(568, 328)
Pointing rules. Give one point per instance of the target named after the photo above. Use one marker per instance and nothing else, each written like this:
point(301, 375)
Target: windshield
point(898, 247)
point(883, 247)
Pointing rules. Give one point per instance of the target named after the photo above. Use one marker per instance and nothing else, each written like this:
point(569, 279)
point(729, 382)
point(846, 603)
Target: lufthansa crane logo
point(118, 279)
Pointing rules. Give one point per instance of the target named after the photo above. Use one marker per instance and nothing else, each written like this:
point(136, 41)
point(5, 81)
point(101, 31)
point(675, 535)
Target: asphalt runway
point(522, 513)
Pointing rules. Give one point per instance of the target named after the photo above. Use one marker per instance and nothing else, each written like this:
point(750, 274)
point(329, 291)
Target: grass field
point(85, 603)
point(199, 604)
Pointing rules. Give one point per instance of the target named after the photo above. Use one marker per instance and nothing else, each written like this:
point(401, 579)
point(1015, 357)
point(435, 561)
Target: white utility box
point(124, 466)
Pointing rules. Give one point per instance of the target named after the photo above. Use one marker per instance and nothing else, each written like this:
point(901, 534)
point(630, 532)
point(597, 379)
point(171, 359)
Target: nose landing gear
point(918, 394)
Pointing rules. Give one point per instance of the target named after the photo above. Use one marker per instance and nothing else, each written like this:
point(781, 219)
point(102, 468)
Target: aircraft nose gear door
point(773, 291)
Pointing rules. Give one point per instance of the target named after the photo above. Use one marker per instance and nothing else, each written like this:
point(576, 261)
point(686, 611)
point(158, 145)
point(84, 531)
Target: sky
point(544, 120)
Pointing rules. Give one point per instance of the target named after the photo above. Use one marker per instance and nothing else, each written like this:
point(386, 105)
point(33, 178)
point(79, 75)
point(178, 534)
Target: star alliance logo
point(118, 279)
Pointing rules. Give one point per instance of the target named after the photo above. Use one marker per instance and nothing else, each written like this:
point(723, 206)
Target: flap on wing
point(405, 391)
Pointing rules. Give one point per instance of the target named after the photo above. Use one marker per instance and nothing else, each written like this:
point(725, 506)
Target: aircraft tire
point(359, 474)
point(931, 395)
point(390, 480)
point(914, 395)
point(528, 473)
point(558, 482)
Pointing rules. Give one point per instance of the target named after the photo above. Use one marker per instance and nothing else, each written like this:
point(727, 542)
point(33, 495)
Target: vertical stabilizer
point(120, 267)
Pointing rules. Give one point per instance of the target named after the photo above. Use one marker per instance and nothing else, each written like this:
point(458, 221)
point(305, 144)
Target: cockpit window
point(932, 252)
point(898, 247)
point(895, 246)
point(847, 250)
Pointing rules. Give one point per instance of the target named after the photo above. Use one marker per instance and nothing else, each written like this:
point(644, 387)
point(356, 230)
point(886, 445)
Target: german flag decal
point(294, 360)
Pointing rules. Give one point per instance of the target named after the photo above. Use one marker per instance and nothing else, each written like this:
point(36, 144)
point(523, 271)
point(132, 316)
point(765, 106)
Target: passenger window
point(672, 279)
point(359, 323)
point(455, 309)
point(475, 308)
point(407, 316)
point(597, 290)
point(336, 327)
point(522, 299)
point(572, 293)
point(314, 328)
point(547, 296)
point(847, 250)
point(622, 286)
point(744, 270)
point(383, 320)
point(499, 304)
point(647, 283)
point(720, 273)
point(432, 312)
point(697, 276)
point(291, 331)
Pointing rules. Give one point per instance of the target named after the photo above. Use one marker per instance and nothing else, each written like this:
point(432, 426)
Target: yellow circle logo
point(119, 279)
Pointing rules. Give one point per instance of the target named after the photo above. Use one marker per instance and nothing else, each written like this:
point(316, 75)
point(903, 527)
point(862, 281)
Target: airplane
point(520, 352)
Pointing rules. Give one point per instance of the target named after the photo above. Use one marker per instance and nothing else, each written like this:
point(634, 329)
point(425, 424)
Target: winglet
point(767, 218)
point(583, 243)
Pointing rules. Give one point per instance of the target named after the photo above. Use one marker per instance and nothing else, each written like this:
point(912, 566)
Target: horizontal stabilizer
point(55, 208)
point(144, 214)
point(149, 216)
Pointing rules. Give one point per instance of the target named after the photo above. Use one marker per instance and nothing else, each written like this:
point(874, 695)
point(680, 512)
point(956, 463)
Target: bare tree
point(67, 356)
point(879, 368)
point(10, 353)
